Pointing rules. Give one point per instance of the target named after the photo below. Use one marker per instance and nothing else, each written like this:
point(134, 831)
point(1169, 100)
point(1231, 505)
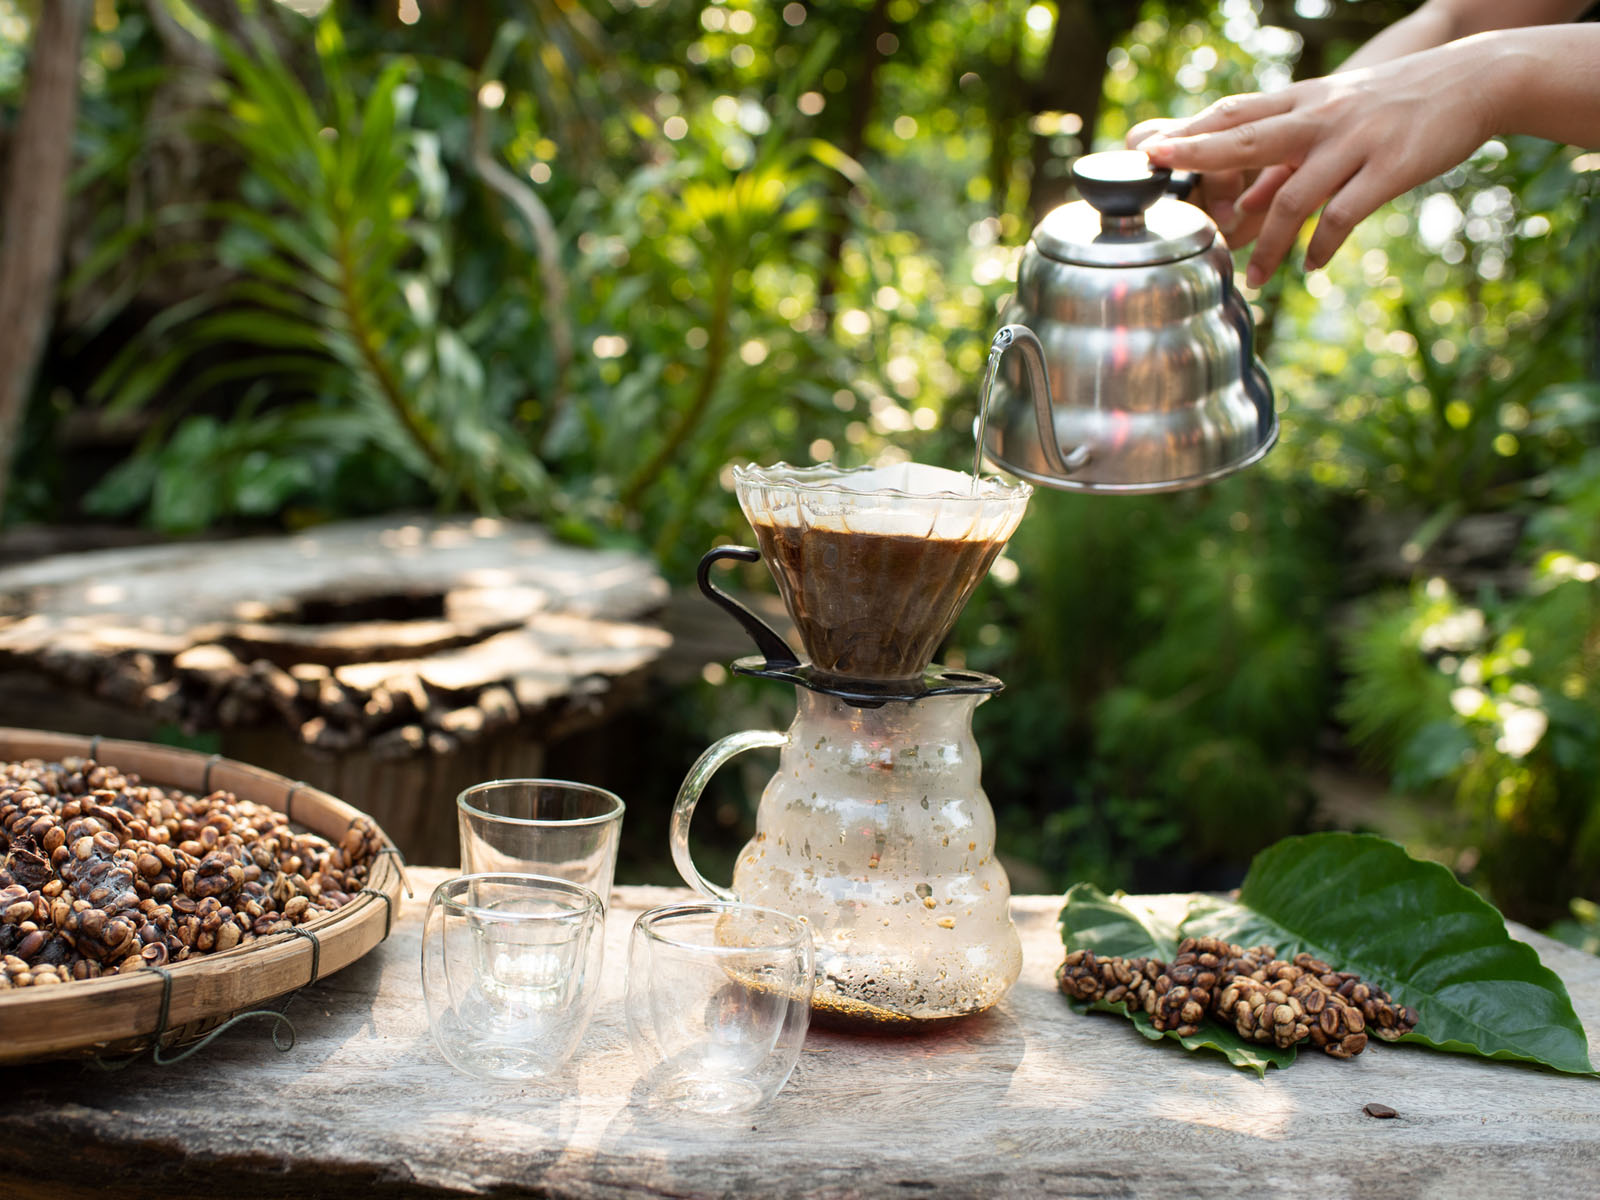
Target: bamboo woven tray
point(121, 1014)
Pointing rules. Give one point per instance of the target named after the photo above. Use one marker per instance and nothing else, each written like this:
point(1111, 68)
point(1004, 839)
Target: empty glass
point(718, 1001)
point(510, 972)
point(541, 827)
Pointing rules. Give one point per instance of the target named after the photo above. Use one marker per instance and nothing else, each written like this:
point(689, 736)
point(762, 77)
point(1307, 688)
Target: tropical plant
point(1173, 657)
point(326, 336)
point(1494, 701)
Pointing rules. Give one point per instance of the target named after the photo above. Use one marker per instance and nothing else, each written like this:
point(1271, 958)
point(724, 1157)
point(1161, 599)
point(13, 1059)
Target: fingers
point(1231, 111)
point(1262, 143)
point(1218, 193)
point(1245, 229)
point(1300, 195)
point(1355, 202)
point(1250, 210)
point(1260, 193)
point(1223, 114)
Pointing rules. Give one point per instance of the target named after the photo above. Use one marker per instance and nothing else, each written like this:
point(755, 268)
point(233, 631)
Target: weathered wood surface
point(1029, 1100)
point(391, 662)
point(345, 633)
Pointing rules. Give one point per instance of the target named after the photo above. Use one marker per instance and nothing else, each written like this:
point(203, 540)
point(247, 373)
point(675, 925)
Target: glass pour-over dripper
point(875, 564)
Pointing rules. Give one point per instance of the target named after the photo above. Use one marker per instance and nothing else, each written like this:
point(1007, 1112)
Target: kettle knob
point(1122, 183)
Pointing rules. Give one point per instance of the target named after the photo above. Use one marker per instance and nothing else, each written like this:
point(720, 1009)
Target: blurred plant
point(1495, 703)
point(1415, 358)
point(1168, 677)
point(1582, 929)
point(333, 314)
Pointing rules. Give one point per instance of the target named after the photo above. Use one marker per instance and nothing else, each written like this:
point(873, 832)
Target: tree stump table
point(1028, 1100)
point(388, 662)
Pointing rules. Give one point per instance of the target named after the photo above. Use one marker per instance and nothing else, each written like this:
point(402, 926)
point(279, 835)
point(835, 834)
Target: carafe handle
point(689, 795)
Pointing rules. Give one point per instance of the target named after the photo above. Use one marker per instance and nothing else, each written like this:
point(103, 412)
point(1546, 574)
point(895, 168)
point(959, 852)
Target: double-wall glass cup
point(510, 972)
point(542, 827)
point(718, 1002)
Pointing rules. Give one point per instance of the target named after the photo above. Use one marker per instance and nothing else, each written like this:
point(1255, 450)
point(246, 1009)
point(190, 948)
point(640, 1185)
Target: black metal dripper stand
point(778, 661)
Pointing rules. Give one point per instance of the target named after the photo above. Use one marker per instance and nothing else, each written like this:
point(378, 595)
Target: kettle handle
point(694, 783)
point(1256, 384)
point(1043, 403)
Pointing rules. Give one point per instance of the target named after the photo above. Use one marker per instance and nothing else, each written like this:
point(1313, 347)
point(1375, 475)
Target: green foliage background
point(572, 261)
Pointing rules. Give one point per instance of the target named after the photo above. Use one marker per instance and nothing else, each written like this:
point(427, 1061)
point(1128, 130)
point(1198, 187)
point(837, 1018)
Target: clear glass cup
point(542, 827)
point(510, 972)
point(718, 1002)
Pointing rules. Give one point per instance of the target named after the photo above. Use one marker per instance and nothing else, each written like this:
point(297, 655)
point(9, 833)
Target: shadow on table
point(871, 1085)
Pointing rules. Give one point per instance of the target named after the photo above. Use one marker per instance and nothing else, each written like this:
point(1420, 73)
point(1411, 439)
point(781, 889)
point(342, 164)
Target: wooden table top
point(1030, 1099)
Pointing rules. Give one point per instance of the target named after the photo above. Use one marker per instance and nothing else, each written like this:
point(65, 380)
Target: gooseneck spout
point(1023, 338)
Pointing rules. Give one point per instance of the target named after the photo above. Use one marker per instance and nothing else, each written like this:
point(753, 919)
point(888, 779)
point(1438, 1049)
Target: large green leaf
point(1122, 927)
point(1363, 904)
point(1116, 926)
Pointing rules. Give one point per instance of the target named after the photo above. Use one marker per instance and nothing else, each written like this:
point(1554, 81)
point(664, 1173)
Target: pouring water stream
point(996, 348)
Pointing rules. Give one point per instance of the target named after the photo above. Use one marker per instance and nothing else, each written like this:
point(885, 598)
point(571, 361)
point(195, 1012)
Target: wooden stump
point(389, 662)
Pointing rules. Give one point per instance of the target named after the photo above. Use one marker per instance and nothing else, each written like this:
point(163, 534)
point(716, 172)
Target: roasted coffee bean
point(30, 945)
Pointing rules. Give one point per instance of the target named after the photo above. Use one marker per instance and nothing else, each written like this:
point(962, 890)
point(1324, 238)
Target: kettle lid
point(1126, 217)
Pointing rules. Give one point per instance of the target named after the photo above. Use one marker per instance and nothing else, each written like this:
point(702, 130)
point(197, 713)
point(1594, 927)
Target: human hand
point(1217, 192)
point(1346, 143)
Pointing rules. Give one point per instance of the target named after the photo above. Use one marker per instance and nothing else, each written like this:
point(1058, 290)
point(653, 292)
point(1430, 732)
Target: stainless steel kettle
point(1137, 371)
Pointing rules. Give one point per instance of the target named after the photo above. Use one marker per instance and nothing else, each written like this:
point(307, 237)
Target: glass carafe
point(875, 830)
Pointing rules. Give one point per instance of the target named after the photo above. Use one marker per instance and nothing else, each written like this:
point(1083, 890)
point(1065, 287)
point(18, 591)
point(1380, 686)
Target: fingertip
point(1254, 275)
point(1158, 148)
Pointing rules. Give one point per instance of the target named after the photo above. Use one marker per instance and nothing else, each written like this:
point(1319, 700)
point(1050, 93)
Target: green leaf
point(124, 488)
point(1363, 904)
point(1116, 926)
point(1122, 927)
point(1247, 1056)
point(1437, 751)
point(262, 484)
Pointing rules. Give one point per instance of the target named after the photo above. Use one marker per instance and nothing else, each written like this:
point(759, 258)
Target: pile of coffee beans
point(1263, 998)
point(101, 873)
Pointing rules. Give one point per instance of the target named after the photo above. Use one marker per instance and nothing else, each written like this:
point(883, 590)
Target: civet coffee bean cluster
point(100, 873)
point(1260, 995)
